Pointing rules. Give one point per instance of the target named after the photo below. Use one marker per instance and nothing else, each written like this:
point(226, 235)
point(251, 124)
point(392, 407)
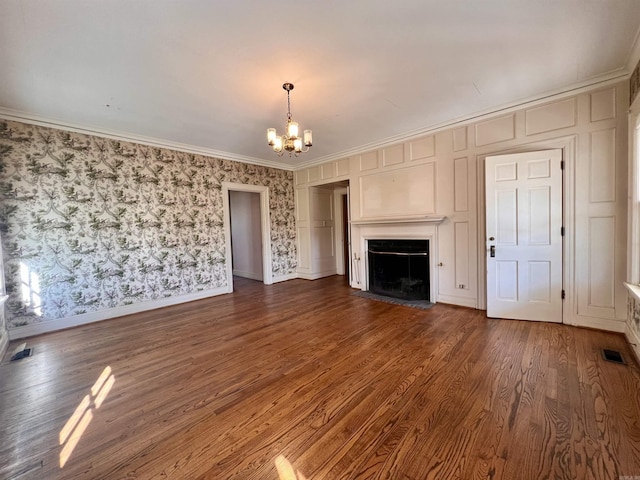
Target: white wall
point(442, 174)
point(246, 237)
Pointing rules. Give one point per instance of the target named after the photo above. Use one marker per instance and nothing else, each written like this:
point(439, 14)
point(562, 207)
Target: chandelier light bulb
point(277, 144)
point(292, 128)
point(308, 138)
point(271, 136)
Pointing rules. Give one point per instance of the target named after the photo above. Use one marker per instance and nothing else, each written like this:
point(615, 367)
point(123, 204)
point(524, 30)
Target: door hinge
point(562, 231)
point(561, 164)
point(563, 294)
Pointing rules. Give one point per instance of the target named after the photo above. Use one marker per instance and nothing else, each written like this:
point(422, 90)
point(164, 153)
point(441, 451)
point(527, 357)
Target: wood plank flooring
point(302, 380)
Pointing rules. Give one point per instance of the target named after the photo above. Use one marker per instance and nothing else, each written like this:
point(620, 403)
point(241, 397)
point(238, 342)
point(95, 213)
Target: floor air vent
point(612, 356)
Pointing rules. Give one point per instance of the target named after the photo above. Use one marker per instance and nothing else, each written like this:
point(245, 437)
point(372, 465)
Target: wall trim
point(285, 278)
point(609, 325)
point(634, 342)
point(315, 276)
point(459, 301)
point(33, 119)
point(265, 226)
point(91, 317)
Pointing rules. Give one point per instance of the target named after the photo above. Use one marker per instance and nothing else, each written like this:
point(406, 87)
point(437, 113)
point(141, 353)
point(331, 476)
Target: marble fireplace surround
point(422, 228)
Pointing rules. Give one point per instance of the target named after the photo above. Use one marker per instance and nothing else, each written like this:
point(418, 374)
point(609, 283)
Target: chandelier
point(289, 141)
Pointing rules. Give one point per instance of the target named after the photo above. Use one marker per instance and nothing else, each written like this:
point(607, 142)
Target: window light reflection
point(79, 421)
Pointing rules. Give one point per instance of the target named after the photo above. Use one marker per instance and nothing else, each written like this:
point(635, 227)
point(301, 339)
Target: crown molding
point(33, 119)
point(578, 88)
point(575, 89)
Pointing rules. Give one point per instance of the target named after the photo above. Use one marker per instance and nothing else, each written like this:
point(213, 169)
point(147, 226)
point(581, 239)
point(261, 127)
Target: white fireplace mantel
point(424, 227)
point(384, 221)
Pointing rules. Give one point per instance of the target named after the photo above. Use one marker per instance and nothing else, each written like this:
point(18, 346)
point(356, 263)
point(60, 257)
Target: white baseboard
point(607, 324)
point(634, 341)
point(315, 276)
point(460, 301)
point(251, 275)
point(284, 278)
point(83, 319)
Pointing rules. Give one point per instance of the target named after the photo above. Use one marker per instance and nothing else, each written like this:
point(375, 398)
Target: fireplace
point(399, 268)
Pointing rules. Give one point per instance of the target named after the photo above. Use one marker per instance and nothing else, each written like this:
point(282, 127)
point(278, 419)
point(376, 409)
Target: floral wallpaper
point(89, 223)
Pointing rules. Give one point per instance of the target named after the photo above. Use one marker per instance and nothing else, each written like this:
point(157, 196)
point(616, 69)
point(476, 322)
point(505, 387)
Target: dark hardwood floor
point(302, 380)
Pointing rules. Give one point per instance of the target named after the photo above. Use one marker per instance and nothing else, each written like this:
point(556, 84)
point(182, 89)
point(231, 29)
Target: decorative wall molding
point(605, 80)
point(77, 320)
point(384, 221)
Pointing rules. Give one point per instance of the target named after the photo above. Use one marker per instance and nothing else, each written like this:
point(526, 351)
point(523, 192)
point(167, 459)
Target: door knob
point(492, 251)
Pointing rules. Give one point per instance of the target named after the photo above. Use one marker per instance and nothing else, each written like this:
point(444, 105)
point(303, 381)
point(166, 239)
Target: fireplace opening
point(399, 268)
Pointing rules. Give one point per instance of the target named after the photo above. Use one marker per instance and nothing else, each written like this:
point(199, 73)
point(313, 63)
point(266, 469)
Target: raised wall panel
point(323, 244)
point(322, 205)
point(507, 280)
point(304, 258)
point(368, 161)
point(603, 105)
point(540, 215)
point(302, 177)
point(342, 167)
point(539, 281)
point(461, 240)
point(328, 170)
point(460, 139)
point(399, 193)
point(496, 130)
point(602, 175)
point(302, 204)
point(422, 148)
point(601, 261)
point(314, 173)
point(393, 155)
point(460, 184)
point(553, 116)
point(507, 213)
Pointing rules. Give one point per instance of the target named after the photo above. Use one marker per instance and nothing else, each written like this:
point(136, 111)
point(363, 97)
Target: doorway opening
point(247, 231)
point(246, 234)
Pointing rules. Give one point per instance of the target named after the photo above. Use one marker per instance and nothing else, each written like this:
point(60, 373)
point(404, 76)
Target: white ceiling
point(209, 74)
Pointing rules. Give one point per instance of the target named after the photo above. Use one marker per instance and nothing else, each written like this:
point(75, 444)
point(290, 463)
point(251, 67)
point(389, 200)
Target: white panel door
point(524, 242)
